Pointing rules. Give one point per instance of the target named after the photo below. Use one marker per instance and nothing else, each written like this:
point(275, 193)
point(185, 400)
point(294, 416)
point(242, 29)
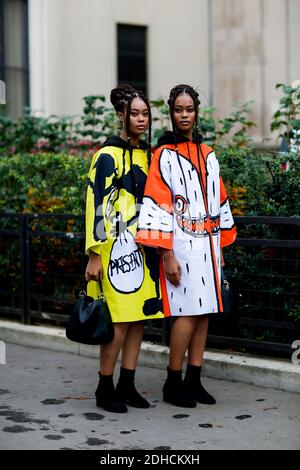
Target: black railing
point(42, 263)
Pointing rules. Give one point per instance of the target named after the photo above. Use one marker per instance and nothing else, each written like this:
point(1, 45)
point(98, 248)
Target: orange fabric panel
point(227, 237)
point(155, 187)
point(155, 238)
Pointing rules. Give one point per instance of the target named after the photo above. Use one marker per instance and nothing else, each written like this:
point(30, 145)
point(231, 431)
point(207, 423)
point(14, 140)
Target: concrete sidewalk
point(279, 374)
point(47, 402)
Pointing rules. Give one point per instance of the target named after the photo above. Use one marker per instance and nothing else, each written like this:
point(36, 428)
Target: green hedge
point(260, 183)
point(257, 183)
point(43, 183)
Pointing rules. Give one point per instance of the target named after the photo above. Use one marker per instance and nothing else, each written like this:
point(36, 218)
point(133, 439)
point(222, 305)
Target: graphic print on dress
point(105, 168)
point(192, 247)
point(153, 305)
point(123, 219)
point(126, 264)
point(189, 207)
point(213, 192)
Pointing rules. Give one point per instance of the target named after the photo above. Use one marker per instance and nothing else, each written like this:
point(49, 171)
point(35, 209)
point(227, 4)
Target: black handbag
point(90, 322)
point(225, 323)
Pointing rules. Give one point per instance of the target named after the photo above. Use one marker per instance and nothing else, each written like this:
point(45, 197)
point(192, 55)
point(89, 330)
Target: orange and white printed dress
point(185, 208)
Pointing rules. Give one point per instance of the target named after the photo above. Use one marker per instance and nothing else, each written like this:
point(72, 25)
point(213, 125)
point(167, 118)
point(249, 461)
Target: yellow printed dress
point(116, 184)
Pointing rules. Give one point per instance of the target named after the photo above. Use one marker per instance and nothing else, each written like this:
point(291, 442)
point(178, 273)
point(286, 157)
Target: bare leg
point(198, 340)
point(192, 380)
point(132, 344)
point(181, 334)
point(130, 352)
point(109, 352)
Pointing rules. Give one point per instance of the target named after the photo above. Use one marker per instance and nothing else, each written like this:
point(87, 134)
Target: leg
point(198, 340)
point(106, 396)
point(181, 334)
point(192, 381)
point(109, 352)
point(132, 345)
point(130, 352)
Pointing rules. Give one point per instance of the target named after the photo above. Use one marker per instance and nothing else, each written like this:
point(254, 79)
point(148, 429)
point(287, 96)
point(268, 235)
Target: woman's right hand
point(172, 268)
point(94, 269)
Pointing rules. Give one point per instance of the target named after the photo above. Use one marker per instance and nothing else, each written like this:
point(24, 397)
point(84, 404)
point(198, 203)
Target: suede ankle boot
point(193, 386)
point(173, 391)
point(106, 396)
point(127, 392)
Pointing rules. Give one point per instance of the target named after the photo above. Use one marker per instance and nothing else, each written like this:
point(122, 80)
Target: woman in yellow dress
point(129, 273)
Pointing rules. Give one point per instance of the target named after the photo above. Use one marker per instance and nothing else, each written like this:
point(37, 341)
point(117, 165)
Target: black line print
point(187, 268)
point(130, 264)
point(156, 204)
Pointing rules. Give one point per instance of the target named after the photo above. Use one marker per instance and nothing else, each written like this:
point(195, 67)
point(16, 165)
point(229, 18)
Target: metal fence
point(42, 264)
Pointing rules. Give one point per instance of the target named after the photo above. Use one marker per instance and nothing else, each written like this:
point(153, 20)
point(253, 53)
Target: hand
point(94, 269)
point(222, 258)
point(172, 268)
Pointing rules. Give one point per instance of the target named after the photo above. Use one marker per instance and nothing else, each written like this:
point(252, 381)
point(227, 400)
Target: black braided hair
point(174, 93)
point(179, 90)
point(121, 99)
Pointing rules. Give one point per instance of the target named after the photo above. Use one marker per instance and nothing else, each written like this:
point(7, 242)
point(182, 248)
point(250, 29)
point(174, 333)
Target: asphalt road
point(47, 402)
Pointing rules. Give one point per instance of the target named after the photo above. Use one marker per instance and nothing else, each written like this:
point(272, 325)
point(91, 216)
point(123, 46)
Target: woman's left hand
point(222, 258)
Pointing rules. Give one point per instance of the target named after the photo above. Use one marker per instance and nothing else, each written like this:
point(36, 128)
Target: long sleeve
point(228, 229)
point(100, 187)
point(155, 226)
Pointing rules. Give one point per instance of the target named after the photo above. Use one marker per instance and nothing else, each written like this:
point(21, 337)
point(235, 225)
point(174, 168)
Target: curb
point(279, 374)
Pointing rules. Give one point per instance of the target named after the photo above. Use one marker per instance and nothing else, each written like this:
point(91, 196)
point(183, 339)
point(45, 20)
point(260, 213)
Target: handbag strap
point(82, 292)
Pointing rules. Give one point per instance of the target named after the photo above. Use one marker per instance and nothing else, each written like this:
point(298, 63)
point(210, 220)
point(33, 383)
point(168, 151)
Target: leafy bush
point(256, 183)
point(287, 118)
point(43, 183)
point(85, 133)
point(231, 130)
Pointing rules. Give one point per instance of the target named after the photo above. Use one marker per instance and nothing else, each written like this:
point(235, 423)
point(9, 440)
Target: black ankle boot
point(173, 391)
point(106, 396)
point(193, 386)
point(127, 392)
